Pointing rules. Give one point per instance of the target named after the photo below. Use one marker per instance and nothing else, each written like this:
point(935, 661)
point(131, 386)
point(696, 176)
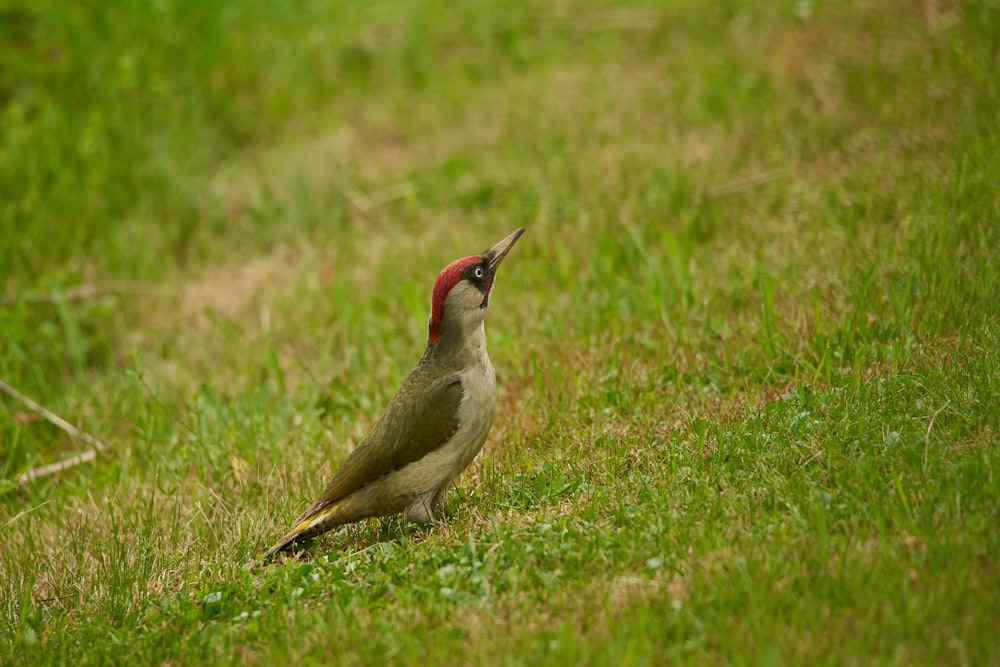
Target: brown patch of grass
point(231, 291)
point(624, 590)
point(804, 54)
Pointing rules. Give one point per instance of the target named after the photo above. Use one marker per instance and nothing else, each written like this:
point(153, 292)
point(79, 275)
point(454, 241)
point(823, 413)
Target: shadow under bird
point(436, 423)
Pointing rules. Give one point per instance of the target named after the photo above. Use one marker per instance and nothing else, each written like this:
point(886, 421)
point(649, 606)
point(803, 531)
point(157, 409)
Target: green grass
point(749, 347)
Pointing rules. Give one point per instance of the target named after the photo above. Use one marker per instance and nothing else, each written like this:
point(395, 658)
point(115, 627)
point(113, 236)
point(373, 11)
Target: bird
point(436, 423)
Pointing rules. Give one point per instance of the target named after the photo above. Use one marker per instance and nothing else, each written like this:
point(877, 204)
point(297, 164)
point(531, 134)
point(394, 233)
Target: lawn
point(748, 348)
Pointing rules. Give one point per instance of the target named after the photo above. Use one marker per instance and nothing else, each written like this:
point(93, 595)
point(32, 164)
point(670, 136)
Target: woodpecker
point(436, 423)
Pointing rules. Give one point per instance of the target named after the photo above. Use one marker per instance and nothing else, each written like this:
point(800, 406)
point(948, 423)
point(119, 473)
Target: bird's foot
point(419, 510)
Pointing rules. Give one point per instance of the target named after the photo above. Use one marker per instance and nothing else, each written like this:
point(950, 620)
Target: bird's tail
point(307, 526)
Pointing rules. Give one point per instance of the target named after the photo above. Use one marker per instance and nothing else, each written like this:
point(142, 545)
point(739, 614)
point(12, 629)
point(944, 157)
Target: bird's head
point(462, 290)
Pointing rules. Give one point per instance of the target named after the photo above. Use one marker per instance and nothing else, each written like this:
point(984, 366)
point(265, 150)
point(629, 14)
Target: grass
point(749, 347)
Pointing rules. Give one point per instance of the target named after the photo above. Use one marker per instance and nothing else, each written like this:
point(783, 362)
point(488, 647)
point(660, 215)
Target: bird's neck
point(459, 347)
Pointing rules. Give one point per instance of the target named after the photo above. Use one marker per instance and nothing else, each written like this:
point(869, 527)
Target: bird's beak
point(496, 254)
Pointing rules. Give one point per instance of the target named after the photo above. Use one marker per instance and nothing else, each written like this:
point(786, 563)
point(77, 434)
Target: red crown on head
point(446, 280)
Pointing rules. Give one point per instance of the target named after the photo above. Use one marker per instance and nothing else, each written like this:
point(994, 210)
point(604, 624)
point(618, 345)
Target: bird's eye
point(478, 273)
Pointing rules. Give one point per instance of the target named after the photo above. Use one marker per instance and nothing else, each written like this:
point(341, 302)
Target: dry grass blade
point(744, 184)
point(53, 468)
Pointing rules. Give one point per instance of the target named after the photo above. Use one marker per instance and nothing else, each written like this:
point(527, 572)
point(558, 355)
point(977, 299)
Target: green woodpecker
point(436, 423)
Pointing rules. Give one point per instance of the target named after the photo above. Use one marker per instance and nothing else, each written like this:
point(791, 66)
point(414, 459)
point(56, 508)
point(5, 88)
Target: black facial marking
point(479, 275)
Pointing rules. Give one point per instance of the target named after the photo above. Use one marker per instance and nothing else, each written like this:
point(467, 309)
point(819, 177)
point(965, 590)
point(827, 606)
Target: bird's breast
point(476, 411)
point(440, 467)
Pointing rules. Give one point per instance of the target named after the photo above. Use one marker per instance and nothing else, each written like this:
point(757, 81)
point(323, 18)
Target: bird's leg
point(419, 509)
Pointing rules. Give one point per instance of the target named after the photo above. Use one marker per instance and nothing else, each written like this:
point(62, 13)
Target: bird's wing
point(412, 425)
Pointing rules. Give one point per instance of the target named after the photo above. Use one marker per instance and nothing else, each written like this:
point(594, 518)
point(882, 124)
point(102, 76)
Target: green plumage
point(420, 418)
